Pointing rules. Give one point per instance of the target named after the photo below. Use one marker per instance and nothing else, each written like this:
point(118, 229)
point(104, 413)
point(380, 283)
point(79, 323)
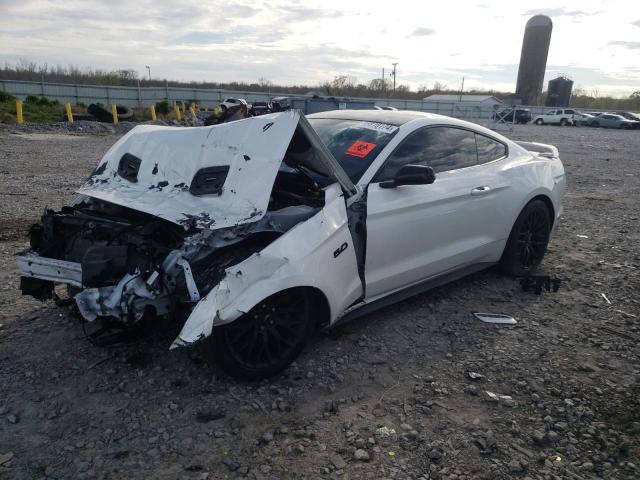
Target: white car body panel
point(460, 227)
point(253, 149)
point(303, 257)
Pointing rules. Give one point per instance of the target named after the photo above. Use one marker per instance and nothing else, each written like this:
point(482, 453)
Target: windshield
point(354, 143)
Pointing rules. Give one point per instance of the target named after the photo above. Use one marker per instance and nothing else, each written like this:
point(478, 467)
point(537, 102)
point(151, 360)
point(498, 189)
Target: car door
point(415, 232)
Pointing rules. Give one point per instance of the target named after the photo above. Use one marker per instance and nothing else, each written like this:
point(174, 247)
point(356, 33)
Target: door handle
point(483, 190)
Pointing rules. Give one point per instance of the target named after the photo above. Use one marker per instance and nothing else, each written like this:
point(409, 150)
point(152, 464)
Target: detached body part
point(256, 232)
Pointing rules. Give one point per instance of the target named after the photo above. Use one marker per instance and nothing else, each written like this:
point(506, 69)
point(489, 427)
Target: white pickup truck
point(556, 117)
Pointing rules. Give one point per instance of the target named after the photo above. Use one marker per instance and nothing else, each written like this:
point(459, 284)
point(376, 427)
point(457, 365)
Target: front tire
point(563, 122)
point(265, 340)
point(528, 240)
point(539, 121)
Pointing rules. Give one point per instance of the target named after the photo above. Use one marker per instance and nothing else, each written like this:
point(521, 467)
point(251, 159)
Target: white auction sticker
point(379, 127)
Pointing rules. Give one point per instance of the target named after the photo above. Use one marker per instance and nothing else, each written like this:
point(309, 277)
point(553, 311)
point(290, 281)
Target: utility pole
point(383, 80)
point(461, 88)
point(393, 74)
point(149, 70)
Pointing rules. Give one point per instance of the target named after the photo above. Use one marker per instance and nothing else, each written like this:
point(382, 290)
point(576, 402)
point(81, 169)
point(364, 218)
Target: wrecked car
point(252, 234)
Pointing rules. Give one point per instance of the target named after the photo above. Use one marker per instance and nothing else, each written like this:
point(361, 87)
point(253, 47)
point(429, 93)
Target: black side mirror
point(411, 175)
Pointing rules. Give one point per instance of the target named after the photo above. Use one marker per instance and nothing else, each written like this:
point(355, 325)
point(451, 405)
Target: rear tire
point(264, 341)
point(563, 122)
point(595, 124)
point(528, 240)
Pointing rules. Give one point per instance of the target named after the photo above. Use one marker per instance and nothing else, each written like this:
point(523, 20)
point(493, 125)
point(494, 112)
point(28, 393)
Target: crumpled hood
point(169, 158)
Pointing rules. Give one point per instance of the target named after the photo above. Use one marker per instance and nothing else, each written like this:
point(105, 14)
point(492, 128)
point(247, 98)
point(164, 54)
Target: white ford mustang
point(253, 233)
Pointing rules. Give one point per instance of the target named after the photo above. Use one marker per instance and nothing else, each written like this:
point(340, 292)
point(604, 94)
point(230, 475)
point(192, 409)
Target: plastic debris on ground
point(536, 283)
point(385, 431)
point(495, 318)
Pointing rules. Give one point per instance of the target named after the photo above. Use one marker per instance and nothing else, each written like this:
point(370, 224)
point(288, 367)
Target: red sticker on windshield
point(360, 149)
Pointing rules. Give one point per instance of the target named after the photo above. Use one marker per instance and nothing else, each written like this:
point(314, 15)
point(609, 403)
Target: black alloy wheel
point(268, 338)
point(532, 239)
point(527, 243)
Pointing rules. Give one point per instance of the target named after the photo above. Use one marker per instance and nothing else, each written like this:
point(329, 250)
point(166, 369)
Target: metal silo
point(533, 59)
point(559, 92)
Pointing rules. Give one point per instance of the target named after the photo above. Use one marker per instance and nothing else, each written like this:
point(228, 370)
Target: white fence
point(145, 96)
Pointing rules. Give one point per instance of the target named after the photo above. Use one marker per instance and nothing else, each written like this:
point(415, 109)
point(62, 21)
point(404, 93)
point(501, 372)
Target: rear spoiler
point(541, 149)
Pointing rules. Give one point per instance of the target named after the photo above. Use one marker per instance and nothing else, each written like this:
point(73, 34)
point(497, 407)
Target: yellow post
point(177, 110)
point(206, 109)
point(114, 112)
point(152, 110)
point(67, 107)
point(19, 116)
point(184, 107)
point(193, 112)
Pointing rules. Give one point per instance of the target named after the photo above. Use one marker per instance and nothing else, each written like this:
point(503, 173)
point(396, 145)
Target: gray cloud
point(636, 23)
point(422, 32)
point(200, 37)
point(301, 13)
point(557, 12)
point(630, 45)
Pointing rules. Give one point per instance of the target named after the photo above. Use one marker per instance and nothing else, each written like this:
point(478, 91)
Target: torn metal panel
point(305, 256)
point(170, 159)
point(207, 177)
point(33, 265)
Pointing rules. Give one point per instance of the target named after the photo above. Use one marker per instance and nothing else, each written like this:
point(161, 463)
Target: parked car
point(271, 226)
point(611, 120)
point(522, 115)
point(233, 102)
point(582, 119)
point(629, 116)
point(260, 108)
point(281, 104)
point(555, 117)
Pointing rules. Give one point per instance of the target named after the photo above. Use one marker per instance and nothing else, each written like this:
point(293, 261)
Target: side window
point(489, 149)
point(441, 148)
point(569, 112)
point(410, 152)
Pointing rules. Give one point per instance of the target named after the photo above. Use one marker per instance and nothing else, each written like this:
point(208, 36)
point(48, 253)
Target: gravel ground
point(401, 393)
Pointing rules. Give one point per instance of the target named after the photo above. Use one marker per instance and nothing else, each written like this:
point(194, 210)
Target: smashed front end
point(168, 211)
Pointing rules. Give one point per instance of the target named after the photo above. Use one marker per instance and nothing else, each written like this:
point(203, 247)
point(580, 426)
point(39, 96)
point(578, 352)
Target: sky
point(594, 42)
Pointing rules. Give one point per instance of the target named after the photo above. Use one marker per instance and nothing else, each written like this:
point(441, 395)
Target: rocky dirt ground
point(401, 393)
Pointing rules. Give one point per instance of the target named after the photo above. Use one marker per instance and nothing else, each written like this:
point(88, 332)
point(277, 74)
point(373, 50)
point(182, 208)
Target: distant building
point(484, 102)
point(533, 59)
point(559, 92)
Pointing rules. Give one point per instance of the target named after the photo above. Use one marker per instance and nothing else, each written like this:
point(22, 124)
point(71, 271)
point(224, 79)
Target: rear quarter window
point(489, 149)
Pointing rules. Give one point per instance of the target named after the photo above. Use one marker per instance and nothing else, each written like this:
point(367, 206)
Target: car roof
point(390, 117)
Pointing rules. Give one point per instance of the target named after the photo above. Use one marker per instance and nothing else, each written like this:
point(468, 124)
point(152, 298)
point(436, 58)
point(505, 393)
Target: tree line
point(339, 86)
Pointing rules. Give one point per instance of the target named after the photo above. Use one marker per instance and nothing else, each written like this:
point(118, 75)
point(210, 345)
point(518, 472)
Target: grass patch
point(34, 112)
